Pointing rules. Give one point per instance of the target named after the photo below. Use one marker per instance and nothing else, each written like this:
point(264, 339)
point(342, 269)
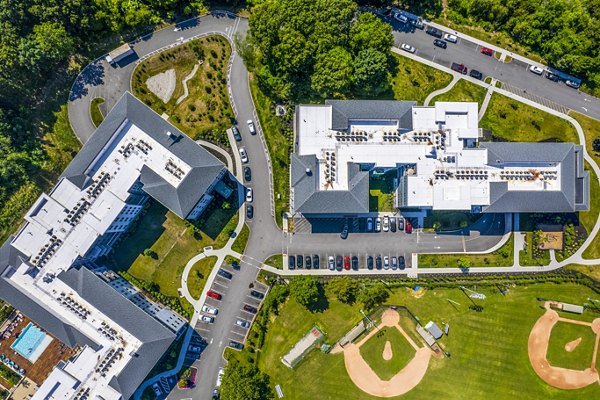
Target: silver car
point(243, 155)
point(242, 323)
point(377, 224)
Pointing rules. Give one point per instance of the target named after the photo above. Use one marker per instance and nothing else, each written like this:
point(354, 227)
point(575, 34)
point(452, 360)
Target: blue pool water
point(28, 341)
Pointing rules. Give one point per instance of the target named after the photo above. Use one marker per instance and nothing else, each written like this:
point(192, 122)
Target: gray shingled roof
point(573, 178)
point(155, 337)
point(345, 110)
point(205, 167)
point(309, 200)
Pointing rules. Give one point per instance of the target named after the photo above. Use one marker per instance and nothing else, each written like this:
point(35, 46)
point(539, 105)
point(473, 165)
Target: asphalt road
point(515, 74)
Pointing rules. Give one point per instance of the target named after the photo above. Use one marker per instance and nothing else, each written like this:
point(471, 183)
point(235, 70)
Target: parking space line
point(220, 284)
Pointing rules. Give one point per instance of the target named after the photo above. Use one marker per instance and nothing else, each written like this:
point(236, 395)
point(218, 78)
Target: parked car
point(476, 74)
point(209, 310)
point(450, 38)
point(407, 47)
point(393, 224)
point(417, 23)
point(224, 274)
point(243, 323)
point(401, 262)
point(308, 262)
point(256, 294)
point(195, 349)
point(249, 196)
point(386, 223)
point(236, 345)
point(291, 262)
point(370, 262)
point(572, 84)
point(378, 262)
point(377, 224)
point(251, 127)
point(400, 17)
point(331, 263)
point(338, 263)
point(344, 233)
point(156, 389)
point(346, 263)
point(487, 51)
point(300, 260)
point(247, 174)
point(386, 262)
point(459, 68)
point(214, 295)
point(552, 76)
point(394, 263)
point(408, 227)
point(400, 224)
point(440, 43)
point(536, 70)
point(433, 32)
point(355, 263)
point(220, 376)
point(236, 134)
point(235, 265)
point(250, 309)
point(369, 224)
point(249, 211)
point(316, 261)
point(206, 319)
point(243, 155)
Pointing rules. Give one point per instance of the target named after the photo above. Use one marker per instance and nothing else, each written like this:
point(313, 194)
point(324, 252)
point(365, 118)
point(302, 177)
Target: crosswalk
point(533, 97)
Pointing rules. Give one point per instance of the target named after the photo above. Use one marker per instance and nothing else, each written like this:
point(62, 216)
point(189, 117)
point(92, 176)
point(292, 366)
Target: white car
point(400, 17)
point(242, 323)
point(249, 196)
point(536, 70)
point(377, 224)
point(251, 127)
point(331, 263)
point(407, 47)
point(450, 38)
point(243, 155)
point(220, 376)
point(386, 262)
point(209, 310)
point(206, 319)
point(386, 223)
point(369, 224)
point(572, 84)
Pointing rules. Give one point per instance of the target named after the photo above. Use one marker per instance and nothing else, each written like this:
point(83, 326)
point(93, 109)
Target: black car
point(338, 263)
point(378, 262)
point(236, 133)
point(300, 260)
point(257, 294)
point(440, 43)
point(247, 174)
point(249, 211)
point(250, 309)
point(316, 261)
point(433, 32)
point(401, 262)
point(224, 274)
point(370, 262)
point(476, 74)
point(393, 224)
point(308, 262)
point(236, 345)
point(355, 263)
point(553, 77)
point(291, 262)
point(235, 265)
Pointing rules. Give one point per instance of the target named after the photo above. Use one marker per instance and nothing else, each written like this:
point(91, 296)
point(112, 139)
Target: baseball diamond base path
point(561, 378)
point(368, 381)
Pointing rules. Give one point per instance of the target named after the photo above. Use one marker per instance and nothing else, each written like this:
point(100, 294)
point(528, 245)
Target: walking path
point(185, 81)
point(455, 78)
point(486, 100)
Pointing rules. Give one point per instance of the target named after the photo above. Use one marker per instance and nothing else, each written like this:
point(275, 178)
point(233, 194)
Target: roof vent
point(170, 135)
point(308, 172)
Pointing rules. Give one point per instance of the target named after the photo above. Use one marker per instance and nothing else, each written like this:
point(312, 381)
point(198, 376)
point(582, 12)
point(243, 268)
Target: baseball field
point(488, 349)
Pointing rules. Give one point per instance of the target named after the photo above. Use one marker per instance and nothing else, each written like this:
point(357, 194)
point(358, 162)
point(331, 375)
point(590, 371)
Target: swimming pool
point(31, 343)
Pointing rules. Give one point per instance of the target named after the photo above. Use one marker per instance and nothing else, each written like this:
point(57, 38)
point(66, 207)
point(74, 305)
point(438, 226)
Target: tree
point(372, 296)
point(596, 144)
point(437, 225)
point(151, 253)
point(244, 382)
point(370, 32)
point(305, 290)
point(463, 263)
point(371, 76)
point(343, 288)
point(333, 73)
point(53, 41)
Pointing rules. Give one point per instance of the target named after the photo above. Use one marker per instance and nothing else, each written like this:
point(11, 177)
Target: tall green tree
point(305, 290)
point(333, 73)
point(244, 382)
point(373, 295)
point(371, 76)
point(370, 32)
point(344, 288)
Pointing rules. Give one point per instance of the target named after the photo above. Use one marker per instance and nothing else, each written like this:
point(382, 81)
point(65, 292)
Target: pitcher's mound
point(569, 347)
point(163, 84)
point(387, 351)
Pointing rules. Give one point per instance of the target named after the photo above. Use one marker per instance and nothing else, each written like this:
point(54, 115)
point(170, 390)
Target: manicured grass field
point(240, 242)
point(513, 121)
point(275, 261)
point(488, 349)
point(402, 352)
point(95, 112)
point(198, 275)
point(462, 91)
point(581, 357)
point(414, 81)
point(381, 192)
point(500, 258)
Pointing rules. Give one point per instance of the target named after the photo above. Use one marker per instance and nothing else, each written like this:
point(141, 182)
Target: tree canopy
point(305, 290)
point(373, 295)
point(343, 288)
point(244, 382)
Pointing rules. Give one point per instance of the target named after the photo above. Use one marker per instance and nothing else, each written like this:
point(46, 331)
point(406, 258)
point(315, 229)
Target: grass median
point(463, 91)
point(414, 81)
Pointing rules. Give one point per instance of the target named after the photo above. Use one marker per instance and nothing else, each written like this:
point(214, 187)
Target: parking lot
point(351, 261)
point(355, 224)
point(239, 330)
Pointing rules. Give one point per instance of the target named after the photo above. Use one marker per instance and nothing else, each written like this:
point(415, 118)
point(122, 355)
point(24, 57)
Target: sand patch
point(387, 351)
point(572, 345)
point(163, 84)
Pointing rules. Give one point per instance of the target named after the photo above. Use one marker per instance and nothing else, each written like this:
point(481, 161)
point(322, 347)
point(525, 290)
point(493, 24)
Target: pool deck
point(49, 358)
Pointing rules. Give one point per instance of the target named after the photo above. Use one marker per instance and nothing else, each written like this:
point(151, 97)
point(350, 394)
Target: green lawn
point(462, 91)
point(402, 352)
point(275, 261)
point(95, 112)
point(581, 357)
point(488, 349)
point(527, 258)
point(279, 138)
point(513, 121)
point(240, 242)
point(500, 258)
point(198, 275)
point(414, 81)
point(381, 192)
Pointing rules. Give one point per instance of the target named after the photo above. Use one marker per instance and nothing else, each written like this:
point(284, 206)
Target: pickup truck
point(459, 68)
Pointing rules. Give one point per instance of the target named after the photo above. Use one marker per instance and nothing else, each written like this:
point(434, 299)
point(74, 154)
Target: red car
point(214, 295)
point(408, 227)
point(487, 51)
point(347, 263)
